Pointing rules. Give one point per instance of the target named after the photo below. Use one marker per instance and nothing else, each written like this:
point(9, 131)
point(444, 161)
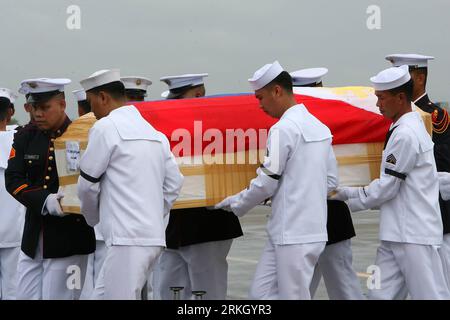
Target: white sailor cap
point(100, 78)
point(80, 95)
point(412, 60)
point(42, 89)
point(265, 75)
point(180, 81)
point(391, 78)
point(309, 76)
point(8, 94)
point(42, 85)
point(136, 83)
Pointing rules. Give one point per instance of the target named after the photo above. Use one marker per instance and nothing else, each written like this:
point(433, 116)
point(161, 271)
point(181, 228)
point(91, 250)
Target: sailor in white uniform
point(298, 172)
point(407, 195)
point(12, 213)
point(419, 69)
point(128, 180)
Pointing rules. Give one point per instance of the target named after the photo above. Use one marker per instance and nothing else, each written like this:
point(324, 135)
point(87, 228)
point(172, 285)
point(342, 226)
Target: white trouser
point(50, 279)
point(418, 268)
point(9, 258)
point(125, 271)
point(285, 271)
point(335, 265)
point(198, 267)
point(444, 252)
point(94, 265)
point(150, 285)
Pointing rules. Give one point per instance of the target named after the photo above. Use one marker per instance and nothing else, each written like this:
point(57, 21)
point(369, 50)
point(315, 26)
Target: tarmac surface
point(246, 250)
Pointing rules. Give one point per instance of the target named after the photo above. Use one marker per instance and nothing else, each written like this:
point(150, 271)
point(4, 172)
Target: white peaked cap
point(391, 78)
point(41, 85)
point(136, 83)
point(100, 78)
point(308, 76)
point(410, 59)
point(174, 82)
point(80, 95)
point(265, 75)
point(8, 94)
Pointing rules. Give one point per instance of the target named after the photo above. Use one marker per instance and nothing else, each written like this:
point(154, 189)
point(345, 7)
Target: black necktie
point(388, 135)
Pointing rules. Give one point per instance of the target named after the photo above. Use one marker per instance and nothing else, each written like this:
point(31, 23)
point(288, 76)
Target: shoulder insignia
point(12, 153)
point(391, 159)
point(440, 125)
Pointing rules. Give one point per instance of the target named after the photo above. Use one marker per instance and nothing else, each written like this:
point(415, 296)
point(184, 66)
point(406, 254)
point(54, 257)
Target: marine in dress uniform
point(418, 68)
point(298, 172)
point(335, 262)
point(407, 195)
point(130, 206)
point(12, 213)
point(52, 241)
point(83, 105)
point(136, 87)
point(198, 239)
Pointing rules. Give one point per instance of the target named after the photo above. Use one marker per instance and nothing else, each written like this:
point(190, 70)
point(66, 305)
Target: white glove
point(444, 185)
point(52, 204)
point(344, 193)
point(225, 204)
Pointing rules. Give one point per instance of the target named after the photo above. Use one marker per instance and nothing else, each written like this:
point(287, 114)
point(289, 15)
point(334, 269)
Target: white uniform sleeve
point(173, 180)
point(93, 165)
point(332, 174)
point(399, 159)
point(279, 148)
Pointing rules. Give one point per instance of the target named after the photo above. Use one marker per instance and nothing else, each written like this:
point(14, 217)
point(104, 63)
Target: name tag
point(73, 156)
point(31, 157)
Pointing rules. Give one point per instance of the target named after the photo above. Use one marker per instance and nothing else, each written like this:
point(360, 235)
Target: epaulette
point(440, 119)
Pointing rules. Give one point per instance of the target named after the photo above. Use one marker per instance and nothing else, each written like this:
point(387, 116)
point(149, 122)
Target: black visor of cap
point(136, 92)
point(312, 84)
point(42, 97)
point(177, 92)
point(415, 67)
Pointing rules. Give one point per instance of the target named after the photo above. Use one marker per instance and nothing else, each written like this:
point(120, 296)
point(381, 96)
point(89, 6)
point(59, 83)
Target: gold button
point(51, 149)
point(47, 178)
point(44, 186)
point(49, 168)
point(30, 162)
point(50, 158)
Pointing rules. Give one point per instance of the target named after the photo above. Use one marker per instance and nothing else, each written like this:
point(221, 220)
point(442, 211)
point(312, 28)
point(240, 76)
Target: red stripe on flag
point(347, 123)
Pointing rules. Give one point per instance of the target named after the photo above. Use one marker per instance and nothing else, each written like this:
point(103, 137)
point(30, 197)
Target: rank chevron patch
point(391, 159)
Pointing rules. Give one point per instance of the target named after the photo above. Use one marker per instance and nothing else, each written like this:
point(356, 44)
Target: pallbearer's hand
point(444, 185)
point(343, 193)
point(225, 204)
point(53, 205)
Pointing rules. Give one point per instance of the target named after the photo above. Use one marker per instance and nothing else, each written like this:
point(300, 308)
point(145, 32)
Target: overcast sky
point(229, 39)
